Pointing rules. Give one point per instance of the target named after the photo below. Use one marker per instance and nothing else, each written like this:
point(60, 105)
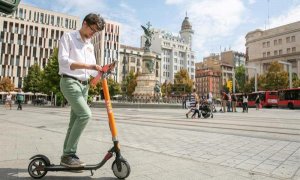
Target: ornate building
point(175, 51)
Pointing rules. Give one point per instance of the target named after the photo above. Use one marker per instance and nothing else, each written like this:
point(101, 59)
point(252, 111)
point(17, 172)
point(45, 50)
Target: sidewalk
point(18, 142)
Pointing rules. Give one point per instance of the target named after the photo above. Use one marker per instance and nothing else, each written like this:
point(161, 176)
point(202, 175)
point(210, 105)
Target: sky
point(218, 24)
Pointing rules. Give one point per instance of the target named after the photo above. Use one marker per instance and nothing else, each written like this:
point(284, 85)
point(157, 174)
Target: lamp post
point(290, 72)
point(255, 76)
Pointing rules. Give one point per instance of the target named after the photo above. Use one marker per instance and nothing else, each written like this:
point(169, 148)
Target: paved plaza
point(159, 143)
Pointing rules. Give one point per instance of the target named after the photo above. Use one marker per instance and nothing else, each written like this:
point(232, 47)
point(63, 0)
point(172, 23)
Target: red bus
point(289, 98)
point(267, 98)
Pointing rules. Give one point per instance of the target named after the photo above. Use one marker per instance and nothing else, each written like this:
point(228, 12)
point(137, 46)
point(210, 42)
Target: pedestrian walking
point(229, 102)
point(8, 101)
point(245, 102)
point(234, 102)
point(193, 99)
point(224, 101)
point(257, 102)
point(20, 99)
point(184, 102)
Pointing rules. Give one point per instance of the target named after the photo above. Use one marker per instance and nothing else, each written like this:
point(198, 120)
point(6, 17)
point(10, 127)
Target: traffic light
point(8, 6)
point(229, 85)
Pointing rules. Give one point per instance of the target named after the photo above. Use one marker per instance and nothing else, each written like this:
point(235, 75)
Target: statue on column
point(148, 33)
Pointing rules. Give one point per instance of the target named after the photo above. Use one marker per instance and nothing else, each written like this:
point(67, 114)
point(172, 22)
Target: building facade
point(28, 37)
point(215, 70)
point(107, 45)
point(277, 44)
point(208, 80)
point(131, 60)
point(176, 51)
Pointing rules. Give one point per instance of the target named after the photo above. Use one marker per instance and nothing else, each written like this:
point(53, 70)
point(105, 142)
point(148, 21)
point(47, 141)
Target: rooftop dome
point(186, 24)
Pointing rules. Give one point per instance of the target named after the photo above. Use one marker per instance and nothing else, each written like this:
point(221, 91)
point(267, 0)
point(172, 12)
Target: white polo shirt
point(73, 49)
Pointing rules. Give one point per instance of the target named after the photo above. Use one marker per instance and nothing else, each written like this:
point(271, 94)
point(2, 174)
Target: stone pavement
point(159, 144)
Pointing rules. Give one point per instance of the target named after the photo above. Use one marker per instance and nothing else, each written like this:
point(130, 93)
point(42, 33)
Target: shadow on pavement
point(9, 173)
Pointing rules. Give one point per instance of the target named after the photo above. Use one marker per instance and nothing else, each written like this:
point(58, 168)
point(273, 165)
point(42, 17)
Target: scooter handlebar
point(104, 73)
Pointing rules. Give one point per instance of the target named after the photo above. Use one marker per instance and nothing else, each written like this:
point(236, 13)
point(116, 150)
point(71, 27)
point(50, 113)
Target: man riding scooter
point(77, 63)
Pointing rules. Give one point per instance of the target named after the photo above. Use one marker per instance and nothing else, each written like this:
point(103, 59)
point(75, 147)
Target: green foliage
point(50, 76)
point(6, 85)
point(130, 83)
point(240, 78)
point(276, 78)
point(114, 87)
point(250, 85)
point(182, 82)
point(295, 80)
point(166, 89)
point(33, 81)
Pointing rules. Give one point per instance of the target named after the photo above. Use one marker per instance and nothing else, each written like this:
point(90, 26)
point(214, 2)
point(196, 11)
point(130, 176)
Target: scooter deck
point(64, 168)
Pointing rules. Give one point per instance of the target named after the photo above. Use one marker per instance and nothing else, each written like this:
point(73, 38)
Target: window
point(268, 44)
point(293, 49)
point(279, 41)
point(280, 52)
point(288, 39)
point(268, 54)
point(66, 23)
point(264, 54)
point(293, 39)
point(57, 21)
point(288, 50)
point(275, 53)
point(275, 42)
point(42, 18)
point(21, 13)
point(5, 26)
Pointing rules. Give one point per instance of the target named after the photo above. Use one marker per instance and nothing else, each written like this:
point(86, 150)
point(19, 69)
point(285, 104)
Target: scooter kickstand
point(92, 173)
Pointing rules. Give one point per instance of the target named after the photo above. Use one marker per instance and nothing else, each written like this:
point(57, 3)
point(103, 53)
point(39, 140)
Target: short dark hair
point(95, 19)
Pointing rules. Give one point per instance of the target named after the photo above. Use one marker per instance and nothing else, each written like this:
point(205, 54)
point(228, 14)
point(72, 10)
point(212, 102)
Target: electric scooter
point(40, 164)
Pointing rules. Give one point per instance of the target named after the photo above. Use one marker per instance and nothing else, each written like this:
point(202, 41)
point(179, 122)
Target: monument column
point(146, 81)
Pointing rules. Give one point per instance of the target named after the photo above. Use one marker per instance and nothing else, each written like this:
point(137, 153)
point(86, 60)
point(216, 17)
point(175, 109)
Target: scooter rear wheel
point(36, 168)
point(125, 171)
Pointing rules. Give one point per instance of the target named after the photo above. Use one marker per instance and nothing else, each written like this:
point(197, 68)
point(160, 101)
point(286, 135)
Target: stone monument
point(146, 82)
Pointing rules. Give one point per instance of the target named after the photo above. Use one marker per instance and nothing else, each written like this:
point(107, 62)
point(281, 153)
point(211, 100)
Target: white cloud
point(292, 15)
point(174, 1)
point(239, 44)
point(252, 1)
point(130, 29)
point(212, 20)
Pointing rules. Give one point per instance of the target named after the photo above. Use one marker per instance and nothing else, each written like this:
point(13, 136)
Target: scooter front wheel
point(124, 172)
point(36, 168)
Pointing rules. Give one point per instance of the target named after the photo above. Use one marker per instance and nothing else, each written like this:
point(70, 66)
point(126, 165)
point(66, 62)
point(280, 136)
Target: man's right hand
point(98, 68)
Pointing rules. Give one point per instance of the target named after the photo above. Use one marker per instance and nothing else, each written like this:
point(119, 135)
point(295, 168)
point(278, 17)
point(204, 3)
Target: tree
point(6, 85)
point(130, 83)
point(50, 76)
point(114, 87)
point(276, 77)
point(166, 89)
point(295, 79)
point(33, 81)
point(240, 77)
point(250, 85)
point(183, 82)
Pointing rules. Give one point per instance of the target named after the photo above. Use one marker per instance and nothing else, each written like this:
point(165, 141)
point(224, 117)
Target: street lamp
point(255, 76)
point(290, 72)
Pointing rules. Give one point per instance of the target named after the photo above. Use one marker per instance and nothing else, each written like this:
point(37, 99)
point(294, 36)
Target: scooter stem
point(111, 118)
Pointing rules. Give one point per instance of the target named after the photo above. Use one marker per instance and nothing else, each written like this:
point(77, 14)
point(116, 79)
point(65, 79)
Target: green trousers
point(76, 95)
